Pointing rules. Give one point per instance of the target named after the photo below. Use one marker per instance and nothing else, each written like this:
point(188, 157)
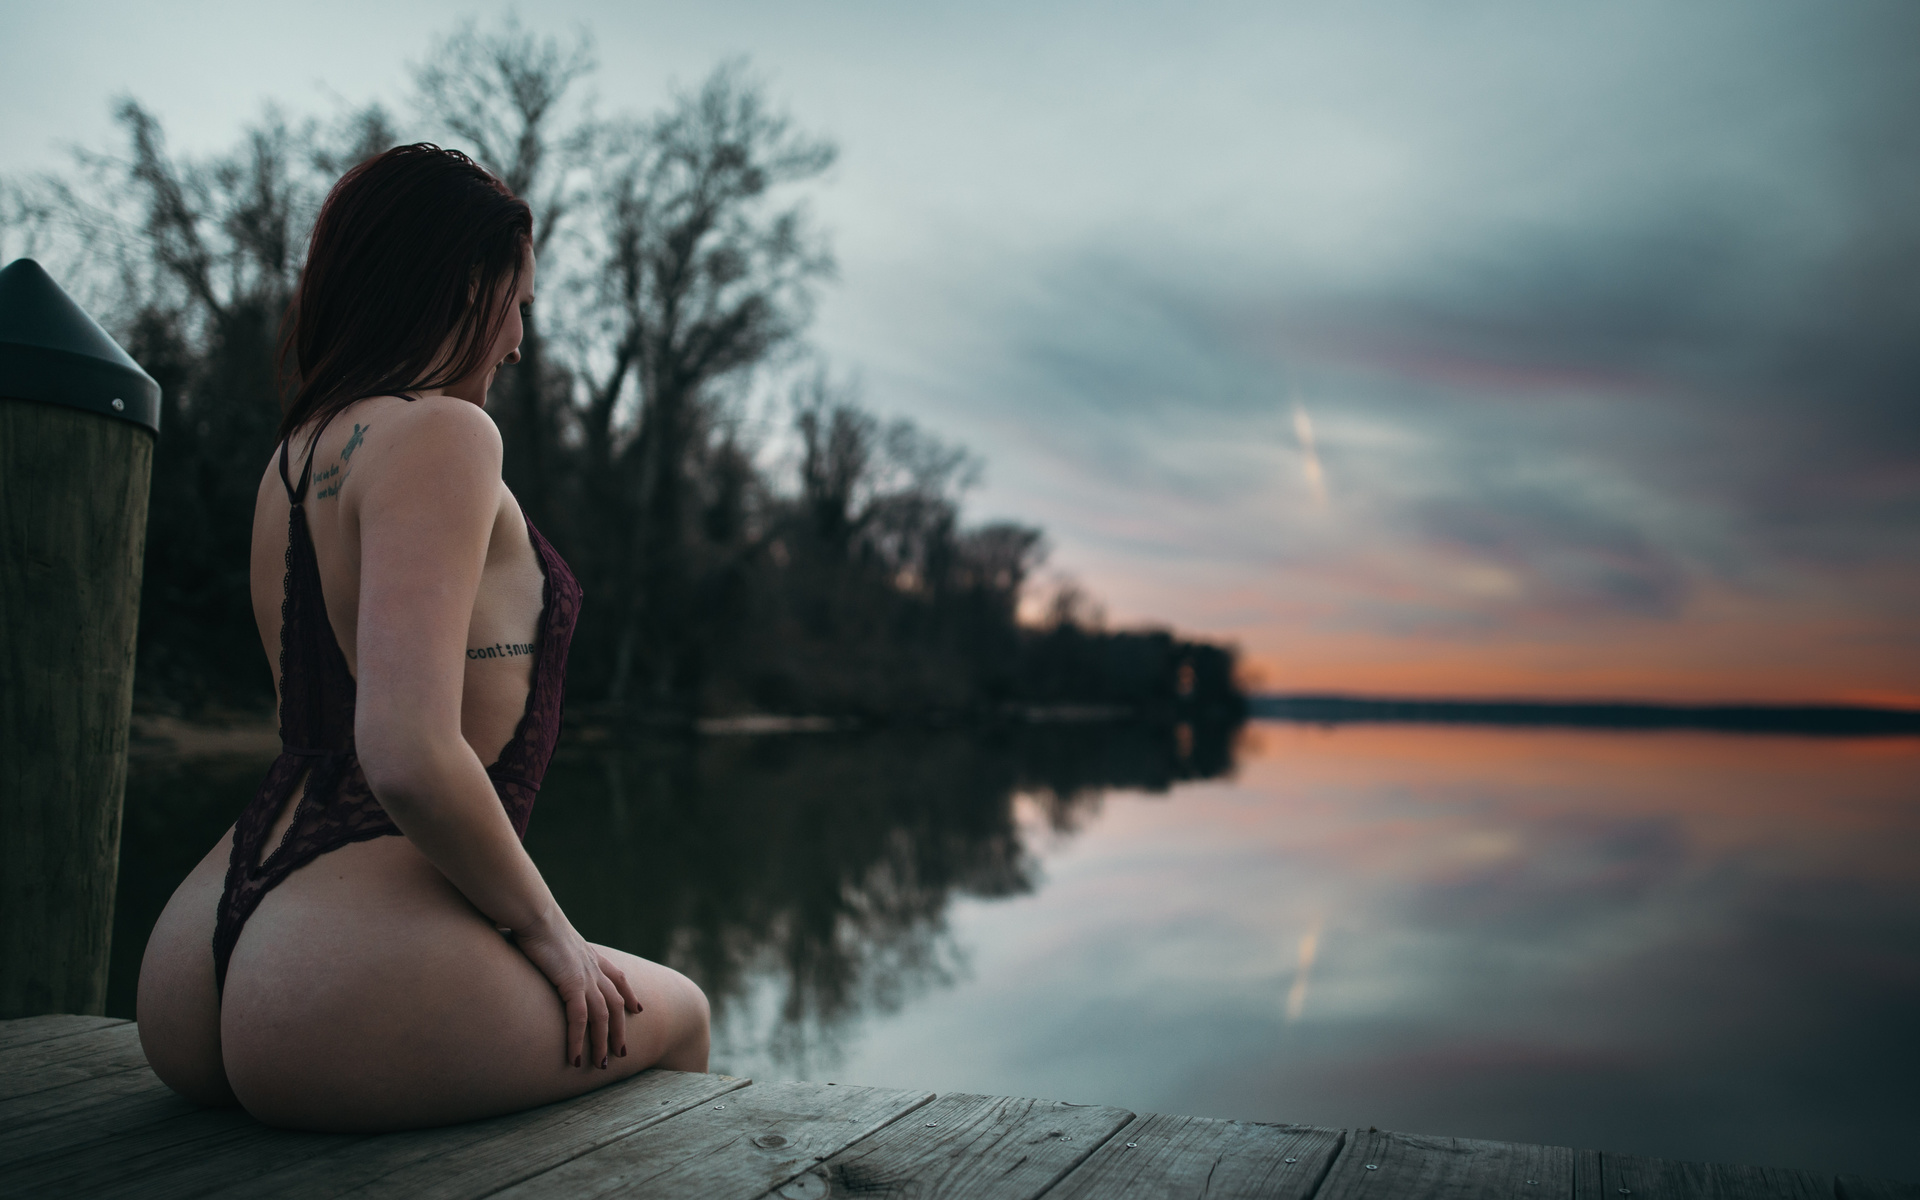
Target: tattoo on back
point(331, 479)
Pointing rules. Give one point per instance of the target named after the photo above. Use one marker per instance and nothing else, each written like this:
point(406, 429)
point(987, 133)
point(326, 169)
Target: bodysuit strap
point(298, 495)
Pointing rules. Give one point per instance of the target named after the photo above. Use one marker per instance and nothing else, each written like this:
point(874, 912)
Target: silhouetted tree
point(678, 266)
point(193, 262)
point(704, 269)
point(501, 95)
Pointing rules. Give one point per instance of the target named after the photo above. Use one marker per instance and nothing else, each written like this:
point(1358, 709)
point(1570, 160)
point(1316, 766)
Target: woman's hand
point(594, 992)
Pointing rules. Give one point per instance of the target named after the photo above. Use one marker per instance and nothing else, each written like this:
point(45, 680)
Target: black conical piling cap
point(53, 352)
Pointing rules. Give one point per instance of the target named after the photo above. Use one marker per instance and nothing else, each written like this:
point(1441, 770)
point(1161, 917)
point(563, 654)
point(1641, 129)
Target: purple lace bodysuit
point(316, 732)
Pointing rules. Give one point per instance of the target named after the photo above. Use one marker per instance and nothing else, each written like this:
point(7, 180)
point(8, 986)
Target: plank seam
point(99, 1141)
point(1339, 1151)
point(654, 1122)
point(910, 1109)
point(209, 1141)
point(1133, 1119)
point(70, 1082)
point(105, 1023)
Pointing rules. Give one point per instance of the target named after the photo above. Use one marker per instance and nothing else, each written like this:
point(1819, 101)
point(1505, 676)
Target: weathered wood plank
point(1859, 1187)
point(81, 1113)
point(965, 1147)
point(184, 1156)
point(44, 1066)
point(89, 1111)
point(1172, 1158)
point(741, 1146)
point(23, 1031)
point(74, 488)
point(1413, 1167)
point(481, 1157)
point(1586, 1175)
point(1626, 1177)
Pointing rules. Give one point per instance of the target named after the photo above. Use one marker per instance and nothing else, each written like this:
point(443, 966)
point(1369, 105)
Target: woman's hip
point(366, 993)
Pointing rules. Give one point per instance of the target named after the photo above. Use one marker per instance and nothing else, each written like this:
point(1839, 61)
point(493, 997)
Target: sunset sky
point(1463, 349)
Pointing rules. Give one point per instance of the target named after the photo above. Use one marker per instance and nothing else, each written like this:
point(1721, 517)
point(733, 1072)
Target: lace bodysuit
point(316, 732)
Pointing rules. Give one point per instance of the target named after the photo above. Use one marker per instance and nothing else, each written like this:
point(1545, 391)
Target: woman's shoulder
point(434, 440)
point(390, 439)
point(433, 425)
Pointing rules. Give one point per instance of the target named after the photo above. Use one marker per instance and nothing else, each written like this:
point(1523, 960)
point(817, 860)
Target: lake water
point(1688, 945)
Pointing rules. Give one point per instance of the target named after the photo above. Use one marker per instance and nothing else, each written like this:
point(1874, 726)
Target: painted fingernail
point(603, 1062)
point(576, 1060)
point(623, 1052)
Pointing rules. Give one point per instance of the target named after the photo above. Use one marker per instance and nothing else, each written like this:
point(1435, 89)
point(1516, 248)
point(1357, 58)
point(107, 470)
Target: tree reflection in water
point(804, 880)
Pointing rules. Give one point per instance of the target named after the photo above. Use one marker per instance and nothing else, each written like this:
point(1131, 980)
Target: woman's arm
point(428, 496)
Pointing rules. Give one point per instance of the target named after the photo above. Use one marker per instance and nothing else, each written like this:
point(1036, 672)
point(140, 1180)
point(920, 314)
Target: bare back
point(500, 634)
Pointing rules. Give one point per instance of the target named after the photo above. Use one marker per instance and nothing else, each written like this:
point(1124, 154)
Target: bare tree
point(704, 274)
point(501, 94)
point(191, 261)
point(680, 260)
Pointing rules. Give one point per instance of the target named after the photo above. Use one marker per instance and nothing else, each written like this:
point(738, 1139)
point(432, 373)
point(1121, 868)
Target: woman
point(369, 947)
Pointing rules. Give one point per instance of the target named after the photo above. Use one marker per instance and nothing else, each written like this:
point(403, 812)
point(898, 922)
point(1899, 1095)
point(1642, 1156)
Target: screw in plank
point(932, 1124)
point(119, 405)
point(1133, 1145)
point(1373, 1166)
point(718, 1107)
point(1293, 1160)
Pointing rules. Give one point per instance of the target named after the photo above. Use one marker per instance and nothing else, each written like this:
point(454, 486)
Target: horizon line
point(1821, 719)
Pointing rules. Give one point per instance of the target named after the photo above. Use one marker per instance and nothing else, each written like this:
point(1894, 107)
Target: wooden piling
point(73, 523)
point(77, 425)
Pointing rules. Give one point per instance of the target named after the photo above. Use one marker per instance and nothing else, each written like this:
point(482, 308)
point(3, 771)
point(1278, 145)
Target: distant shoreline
point(1810, 720)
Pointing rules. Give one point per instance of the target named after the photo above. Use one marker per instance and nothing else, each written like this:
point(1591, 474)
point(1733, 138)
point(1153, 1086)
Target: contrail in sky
point(1309, 950)
point(1310, 453)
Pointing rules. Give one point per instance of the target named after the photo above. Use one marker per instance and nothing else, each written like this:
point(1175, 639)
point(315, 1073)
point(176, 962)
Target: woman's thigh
point(365, 993)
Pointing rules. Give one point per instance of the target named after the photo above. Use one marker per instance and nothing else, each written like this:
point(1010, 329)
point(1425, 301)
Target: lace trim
point(317, 695)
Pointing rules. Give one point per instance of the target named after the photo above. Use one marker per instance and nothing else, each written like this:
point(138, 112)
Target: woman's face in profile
point(506, 344)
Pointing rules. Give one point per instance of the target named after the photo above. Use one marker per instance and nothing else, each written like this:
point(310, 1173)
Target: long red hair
point(415, 256)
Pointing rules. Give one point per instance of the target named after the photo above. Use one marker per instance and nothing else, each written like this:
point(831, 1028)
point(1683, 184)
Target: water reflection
point(1694, 946)
point(804, 881)
point(1691, 945)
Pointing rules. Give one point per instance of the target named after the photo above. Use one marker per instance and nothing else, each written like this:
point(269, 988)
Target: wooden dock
point(82, 1115)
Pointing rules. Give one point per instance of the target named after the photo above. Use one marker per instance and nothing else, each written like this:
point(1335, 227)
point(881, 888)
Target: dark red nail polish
point(603, 1062)
point(576, 1060)
point(623, 1052)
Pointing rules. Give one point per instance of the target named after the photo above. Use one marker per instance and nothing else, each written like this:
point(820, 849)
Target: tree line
point(749, 537)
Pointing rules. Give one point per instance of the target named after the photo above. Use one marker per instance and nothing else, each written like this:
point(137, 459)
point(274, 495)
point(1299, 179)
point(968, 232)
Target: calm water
point(1695, 946)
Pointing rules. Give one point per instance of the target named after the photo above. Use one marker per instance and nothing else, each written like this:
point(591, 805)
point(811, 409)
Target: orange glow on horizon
point(1319, 634)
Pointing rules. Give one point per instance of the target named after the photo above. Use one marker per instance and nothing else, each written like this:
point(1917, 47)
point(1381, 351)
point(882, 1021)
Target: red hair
point(408, 256)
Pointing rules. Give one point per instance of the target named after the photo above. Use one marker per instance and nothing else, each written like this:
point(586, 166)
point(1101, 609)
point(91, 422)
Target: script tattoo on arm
point(332, 478)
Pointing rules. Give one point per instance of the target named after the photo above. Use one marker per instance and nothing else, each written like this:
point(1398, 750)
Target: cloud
point(1604, 316)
